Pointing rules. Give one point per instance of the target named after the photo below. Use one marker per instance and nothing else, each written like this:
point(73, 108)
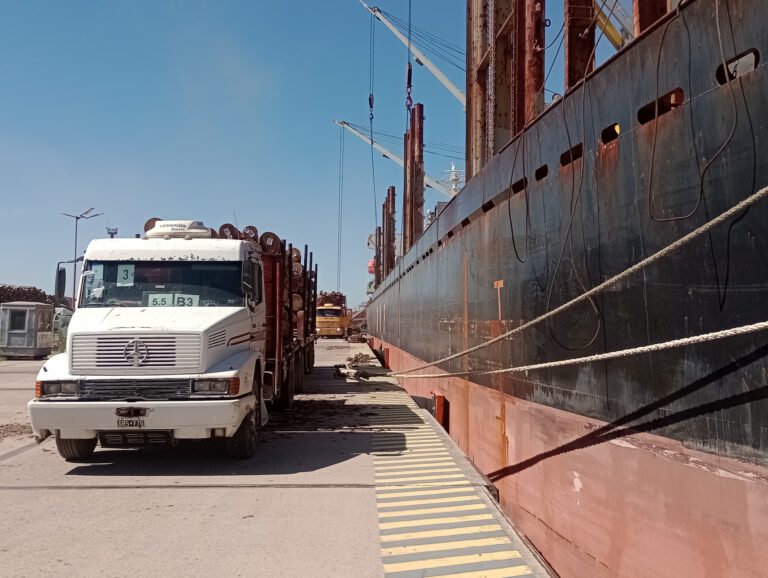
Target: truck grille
point(126, 439)
point(139, 353)
point(135, 389)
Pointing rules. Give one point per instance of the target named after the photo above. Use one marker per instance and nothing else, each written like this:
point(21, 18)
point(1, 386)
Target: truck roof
point(168, 249)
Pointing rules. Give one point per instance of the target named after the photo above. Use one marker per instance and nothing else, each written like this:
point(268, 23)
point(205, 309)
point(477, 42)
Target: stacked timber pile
point(10, 293)
point(332, 297)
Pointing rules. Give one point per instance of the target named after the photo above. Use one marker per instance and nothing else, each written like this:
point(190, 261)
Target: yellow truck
point(333, 317)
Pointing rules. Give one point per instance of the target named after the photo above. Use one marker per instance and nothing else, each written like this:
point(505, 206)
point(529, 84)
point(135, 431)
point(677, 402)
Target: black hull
point(595, 211)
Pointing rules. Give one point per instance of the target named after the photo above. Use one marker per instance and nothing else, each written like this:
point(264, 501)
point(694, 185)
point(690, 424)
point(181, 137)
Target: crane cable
point(340, 214)
point(408, 74)
point(371, 76)
point(442, 49)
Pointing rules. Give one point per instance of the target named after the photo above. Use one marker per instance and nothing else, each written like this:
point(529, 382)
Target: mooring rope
point(681, 242)
point(685, 341)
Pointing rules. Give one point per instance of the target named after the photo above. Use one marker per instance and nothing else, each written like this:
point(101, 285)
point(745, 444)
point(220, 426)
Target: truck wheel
point(285, 401)
point(75, 450)
point(298, 373)
point(242, 445)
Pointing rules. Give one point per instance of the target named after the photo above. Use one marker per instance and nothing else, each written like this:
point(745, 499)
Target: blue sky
point(206, 110)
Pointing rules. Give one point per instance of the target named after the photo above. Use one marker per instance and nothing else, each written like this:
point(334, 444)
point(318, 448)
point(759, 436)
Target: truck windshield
point(329, 312)
point(162, 284)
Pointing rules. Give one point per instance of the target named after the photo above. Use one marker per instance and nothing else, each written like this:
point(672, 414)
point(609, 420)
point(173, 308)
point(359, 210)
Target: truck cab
point(167, 343)
point(332, 321)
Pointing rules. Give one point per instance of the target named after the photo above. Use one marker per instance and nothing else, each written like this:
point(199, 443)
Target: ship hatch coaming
point(631, 201)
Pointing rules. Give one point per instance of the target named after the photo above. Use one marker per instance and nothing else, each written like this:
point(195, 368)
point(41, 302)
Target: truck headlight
point(51, 388)
point(69, 387)
point(44, 388)
point(229, 386)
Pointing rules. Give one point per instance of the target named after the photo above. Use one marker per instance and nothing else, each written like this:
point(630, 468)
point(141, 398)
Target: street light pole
point(87, 214)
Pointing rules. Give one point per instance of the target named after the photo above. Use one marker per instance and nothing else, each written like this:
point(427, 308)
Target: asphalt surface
point(305, 505)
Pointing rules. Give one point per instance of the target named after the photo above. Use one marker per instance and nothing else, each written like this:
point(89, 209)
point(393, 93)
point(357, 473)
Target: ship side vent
point(610, 133)
point(217, 339)
point(571, 155)
point(738, 66)
point(519, 185)
point(663, 104)
point(541, 172)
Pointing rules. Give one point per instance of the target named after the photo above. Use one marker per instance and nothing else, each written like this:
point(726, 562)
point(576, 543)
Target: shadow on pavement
point(328, 425)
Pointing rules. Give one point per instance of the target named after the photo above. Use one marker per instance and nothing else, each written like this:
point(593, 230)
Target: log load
point(10, 293)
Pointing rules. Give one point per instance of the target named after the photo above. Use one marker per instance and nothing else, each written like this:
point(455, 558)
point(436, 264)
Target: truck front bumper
point(192, 419)
point(330, 331)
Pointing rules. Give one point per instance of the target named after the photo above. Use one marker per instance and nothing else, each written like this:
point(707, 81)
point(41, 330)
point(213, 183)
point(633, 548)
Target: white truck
point(177, 336)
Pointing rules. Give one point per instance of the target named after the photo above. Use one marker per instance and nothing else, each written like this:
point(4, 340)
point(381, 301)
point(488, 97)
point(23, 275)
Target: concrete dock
point(355, 481)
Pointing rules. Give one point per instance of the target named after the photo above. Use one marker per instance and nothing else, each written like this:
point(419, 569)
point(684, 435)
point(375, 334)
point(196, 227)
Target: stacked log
point(332, 297)
point(10, 293)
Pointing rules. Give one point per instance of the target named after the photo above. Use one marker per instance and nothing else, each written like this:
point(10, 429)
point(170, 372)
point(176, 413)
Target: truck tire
point(242, 445)
point(75, 450)
point(298, 372)
point(285, 400)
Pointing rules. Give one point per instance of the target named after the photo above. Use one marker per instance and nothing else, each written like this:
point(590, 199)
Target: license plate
point(125, 422)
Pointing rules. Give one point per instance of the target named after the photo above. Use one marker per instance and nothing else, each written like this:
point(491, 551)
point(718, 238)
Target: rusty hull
point(600, 502)
point(564, 207)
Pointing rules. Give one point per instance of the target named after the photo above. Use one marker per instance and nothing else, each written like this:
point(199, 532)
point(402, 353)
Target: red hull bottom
point(639, 505)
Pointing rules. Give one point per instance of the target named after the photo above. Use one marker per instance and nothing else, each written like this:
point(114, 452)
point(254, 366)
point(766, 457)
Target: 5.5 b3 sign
point(173, 300)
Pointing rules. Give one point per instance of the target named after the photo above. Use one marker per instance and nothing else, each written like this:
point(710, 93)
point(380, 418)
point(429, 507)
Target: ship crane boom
point(419, 55)
point(430, 182)
point(618, 38)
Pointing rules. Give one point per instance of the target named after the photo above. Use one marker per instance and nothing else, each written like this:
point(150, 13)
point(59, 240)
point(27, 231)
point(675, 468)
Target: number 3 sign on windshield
point(125, 273)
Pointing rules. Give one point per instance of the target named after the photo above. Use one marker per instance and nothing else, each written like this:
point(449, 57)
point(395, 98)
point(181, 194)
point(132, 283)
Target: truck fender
point(243, 362)
point(55, 368)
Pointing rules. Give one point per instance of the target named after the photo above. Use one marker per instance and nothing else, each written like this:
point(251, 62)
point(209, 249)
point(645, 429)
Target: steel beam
point(477, 43)
point(646, 12)
point(382, 265)
point(407, 192)
point(377, 259)
point(505, 99)
point(417, 192)
point(579, 40)
point(390, 239)
point(535, 17)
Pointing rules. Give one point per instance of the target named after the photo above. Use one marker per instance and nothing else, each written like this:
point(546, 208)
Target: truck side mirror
point(247, 277)
point(60, 285)
point(251, 283)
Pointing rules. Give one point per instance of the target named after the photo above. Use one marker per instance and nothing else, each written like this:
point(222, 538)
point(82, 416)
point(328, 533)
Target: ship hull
point(597, 500)
point(563, 208)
